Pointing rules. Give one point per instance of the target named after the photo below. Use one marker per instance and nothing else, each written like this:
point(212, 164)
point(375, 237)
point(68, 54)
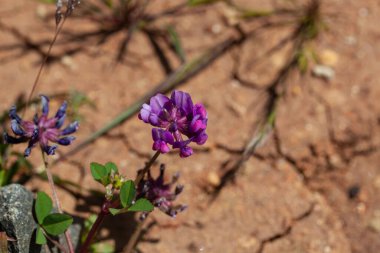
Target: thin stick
point(146, 168)
point(135, 236)
point(57, 31)
point(56, 200)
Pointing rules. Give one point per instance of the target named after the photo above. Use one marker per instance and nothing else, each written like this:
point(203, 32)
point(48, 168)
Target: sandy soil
point(312, 186)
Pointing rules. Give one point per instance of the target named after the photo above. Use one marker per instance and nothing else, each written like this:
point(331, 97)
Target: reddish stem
point(103, 212)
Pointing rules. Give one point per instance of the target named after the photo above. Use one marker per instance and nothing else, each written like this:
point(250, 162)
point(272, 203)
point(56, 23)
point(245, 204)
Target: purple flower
point(161, 194)
point(174, 118)
point(42, 129)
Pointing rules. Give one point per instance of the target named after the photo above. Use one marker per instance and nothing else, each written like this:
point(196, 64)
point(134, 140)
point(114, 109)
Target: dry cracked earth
point(313, 182)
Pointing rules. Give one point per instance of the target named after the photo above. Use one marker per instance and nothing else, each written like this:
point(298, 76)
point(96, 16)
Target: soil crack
point(287, 229)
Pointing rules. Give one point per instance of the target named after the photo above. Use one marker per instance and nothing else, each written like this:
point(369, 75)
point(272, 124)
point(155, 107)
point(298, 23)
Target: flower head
point(174, 118)
point(42, 129)
point(161, 194)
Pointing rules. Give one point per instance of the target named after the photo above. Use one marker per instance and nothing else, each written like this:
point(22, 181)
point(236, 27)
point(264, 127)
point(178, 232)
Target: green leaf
point(127, 193)
point(176, 42)
point(141, 205)
point(47, 1)
point(102, 247)
point(99, 173)
point(2, 177)
point(57, 223)
point(110, 166)
point(302, 62)
point(108, 3)
point(114, 211)
point(201, 2)
point(40, 237)
point(43, 206)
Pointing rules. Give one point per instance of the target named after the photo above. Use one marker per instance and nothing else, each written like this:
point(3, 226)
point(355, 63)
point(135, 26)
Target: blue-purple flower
point(174, 118)
point(42, 129)
point(160, 194)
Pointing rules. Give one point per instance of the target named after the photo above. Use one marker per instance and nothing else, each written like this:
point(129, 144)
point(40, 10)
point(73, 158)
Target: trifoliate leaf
point(141, 205)
point(57, 223)
point(100, 173)
point(40, 237)
point(110, 166)
point(43, 206)
point(127, 193)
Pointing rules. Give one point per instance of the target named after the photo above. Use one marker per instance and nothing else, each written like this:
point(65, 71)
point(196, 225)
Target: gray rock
point(16, 218)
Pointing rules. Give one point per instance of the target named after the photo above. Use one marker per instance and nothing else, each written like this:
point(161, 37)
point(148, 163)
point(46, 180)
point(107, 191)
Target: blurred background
point(292, 160)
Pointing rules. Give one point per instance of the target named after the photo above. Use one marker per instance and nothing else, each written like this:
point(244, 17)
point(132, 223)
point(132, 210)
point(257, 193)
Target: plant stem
point(149, 164)
point(135, 236)
point(57, 244)
point(91, 234)
point(56, 200)
point(57, 31)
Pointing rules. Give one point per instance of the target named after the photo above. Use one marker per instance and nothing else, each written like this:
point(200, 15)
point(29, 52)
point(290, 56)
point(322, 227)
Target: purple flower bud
point(177, 117)
point(42, 129)
point(160, 193)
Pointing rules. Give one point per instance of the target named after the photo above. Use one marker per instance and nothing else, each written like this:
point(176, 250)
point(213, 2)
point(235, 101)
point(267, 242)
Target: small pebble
point(328, 57)
point(351, 40)
point(42, 11)
point(213, 178)
point(324, 72)
point(216, 29)
point(374, 222)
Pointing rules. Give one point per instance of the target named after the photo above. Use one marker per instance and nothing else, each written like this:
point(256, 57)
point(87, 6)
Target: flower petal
point(66, 140)
point(157, 103)
point(16, 128)
point(31, 144)
point(13, 114)
point(60, 121)
point(162, 135)
point(183, 101)
point(199, 109)
point(45, 105)
point(49, 150)
point(61, 114)
point(72, 128)
point(145, 113)
point(185, 152)
point(12, 140)
point(201, 138)
point(181, 144)
point(27, 151)
point(161, 146)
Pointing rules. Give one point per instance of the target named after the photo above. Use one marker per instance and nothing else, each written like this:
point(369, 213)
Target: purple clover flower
point(42, 129)
point(175, 116)
point(161, 194)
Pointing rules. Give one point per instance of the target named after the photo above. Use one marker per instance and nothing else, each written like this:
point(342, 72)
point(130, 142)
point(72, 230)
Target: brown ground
point(314, 186)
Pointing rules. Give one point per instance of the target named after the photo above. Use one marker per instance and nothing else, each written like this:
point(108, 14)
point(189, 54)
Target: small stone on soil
point(324, 72)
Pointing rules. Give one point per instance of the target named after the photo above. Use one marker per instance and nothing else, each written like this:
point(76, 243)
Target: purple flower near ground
point(175, 116)
point(161, 194)
point(42, 129)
